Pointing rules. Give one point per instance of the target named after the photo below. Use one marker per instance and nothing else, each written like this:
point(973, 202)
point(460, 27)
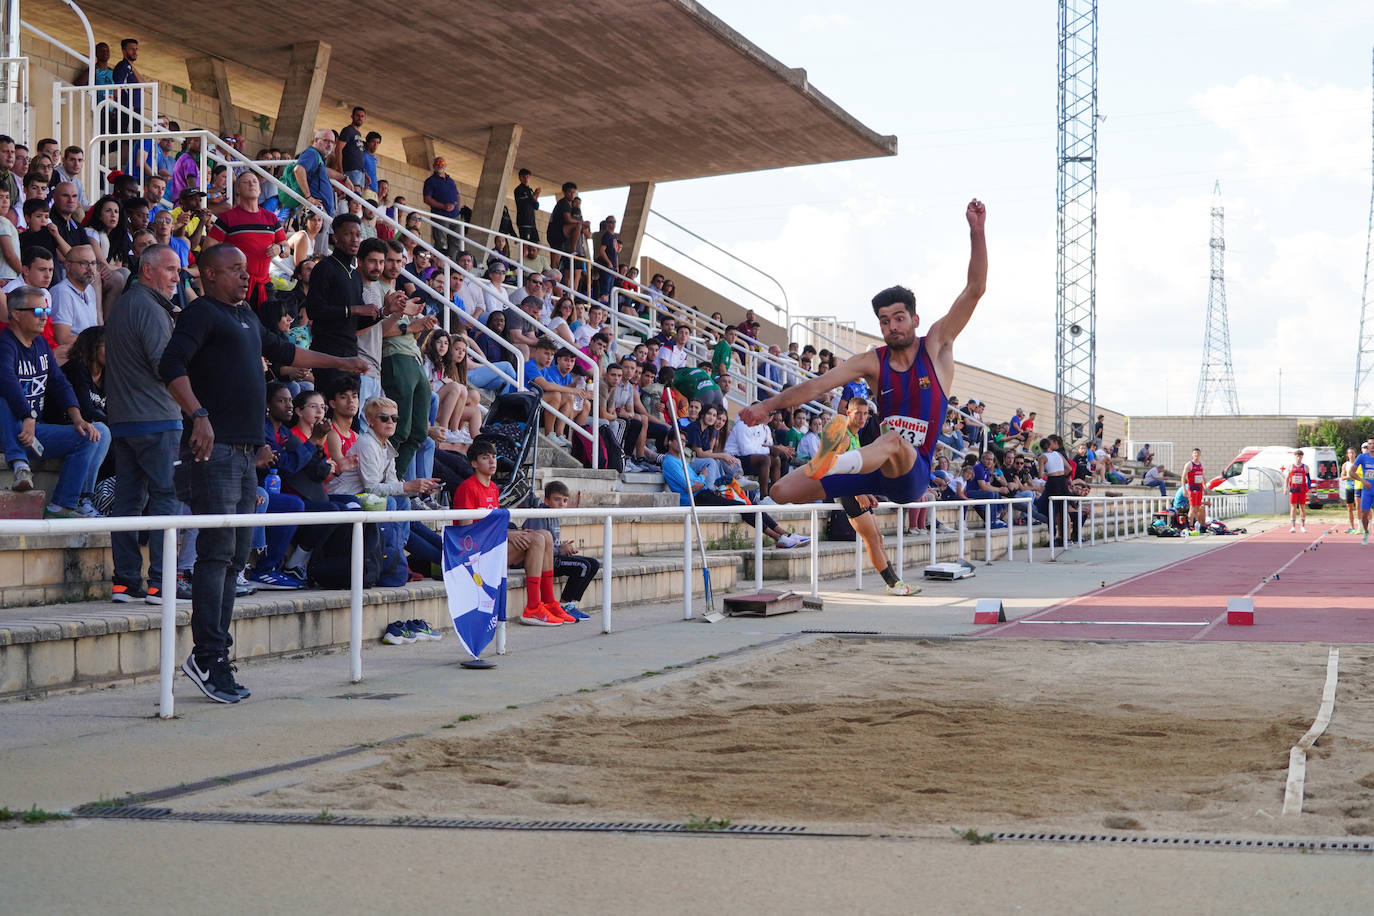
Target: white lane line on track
point(1030, 618)
point(1221, 618)
point(1297, 756)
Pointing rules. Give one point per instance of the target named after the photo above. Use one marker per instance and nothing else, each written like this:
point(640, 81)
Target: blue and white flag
point(475, 577)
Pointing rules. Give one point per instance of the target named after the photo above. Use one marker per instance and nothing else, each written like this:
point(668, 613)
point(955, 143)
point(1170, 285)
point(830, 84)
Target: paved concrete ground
point(66, 750)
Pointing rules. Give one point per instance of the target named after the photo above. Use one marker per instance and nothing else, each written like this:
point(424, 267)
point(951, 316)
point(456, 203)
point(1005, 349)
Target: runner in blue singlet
point(909, 376)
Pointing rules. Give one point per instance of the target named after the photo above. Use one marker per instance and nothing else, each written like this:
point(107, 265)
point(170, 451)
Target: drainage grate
point(1366, 846)
point(147, 813)
point(836, 632)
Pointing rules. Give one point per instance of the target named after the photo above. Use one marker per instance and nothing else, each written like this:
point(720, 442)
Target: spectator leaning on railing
point(212, 366)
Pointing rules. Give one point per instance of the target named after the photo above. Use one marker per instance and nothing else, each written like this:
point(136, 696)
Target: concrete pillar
point(497, 172)
point(209, 78)
point(632, 226)
point(300, 96)
point(419, 151)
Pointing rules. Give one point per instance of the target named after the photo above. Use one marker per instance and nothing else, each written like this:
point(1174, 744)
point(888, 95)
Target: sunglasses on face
point(387, 417)
point(42, 311)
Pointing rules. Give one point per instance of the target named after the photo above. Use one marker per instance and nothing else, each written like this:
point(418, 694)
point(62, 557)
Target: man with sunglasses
point(212, 365)
point(29, 376)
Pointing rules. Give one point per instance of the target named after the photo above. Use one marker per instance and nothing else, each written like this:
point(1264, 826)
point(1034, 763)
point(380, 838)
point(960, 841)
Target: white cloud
point(822, 22)
point(1283, 128)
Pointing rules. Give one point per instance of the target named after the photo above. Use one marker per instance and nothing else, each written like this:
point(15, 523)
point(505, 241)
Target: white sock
point(848, 463)
point(297, 560)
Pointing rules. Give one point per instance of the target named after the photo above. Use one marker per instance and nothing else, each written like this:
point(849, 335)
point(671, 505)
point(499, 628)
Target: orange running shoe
point(834, 442)
point(554, 611)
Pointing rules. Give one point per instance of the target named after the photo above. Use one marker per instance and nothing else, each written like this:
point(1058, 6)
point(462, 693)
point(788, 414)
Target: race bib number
point(909, 428)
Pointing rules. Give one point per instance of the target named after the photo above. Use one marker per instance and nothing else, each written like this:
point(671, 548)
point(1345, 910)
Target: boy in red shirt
point(533, 547)
point(1299, 482)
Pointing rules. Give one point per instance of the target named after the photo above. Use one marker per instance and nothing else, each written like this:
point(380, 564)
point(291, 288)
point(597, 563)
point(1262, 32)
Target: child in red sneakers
point(532, 548)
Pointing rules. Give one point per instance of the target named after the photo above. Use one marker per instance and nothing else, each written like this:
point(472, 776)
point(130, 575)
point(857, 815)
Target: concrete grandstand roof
point(609, 92)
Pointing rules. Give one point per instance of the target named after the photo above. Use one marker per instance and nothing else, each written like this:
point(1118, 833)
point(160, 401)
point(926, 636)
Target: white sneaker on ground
point(901, 588)
point(1292, 528)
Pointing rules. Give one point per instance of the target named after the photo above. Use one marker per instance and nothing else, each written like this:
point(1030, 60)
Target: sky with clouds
point(1270, 97)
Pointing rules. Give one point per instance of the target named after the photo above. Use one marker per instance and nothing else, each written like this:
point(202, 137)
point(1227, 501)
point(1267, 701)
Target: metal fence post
point(167, 648)
point(606, 576)
point(815, 554)
point(355, 610)
point(687, 567)
point(901, 539)
point(758, 549)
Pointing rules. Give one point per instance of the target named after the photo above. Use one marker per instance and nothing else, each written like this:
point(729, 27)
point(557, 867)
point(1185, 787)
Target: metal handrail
point(479, 356)
point(593, 436)
point(169, 525)
point(786, 307)
point(1134, 523)
point(800, 322)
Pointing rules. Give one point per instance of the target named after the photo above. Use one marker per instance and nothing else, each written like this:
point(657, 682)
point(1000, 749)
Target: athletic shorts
point(1352, 496)
point(1366, 499)
point(1194, 498)
point(1297, 499)
point(908, 488)
point(850, 504)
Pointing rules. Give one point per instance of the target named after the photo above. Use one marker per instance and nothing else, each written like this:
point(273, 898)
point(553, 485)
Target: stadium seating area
point(613, 360)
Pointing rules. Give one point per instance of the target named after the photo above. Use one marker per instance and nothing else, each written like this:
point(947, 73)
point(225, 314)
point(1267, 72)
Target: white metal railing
point(1163, 452)
point(1118, 517)
point(76, 116)
point(593, 433)
point(808, 324)
point(170, 525)
point(89, 57)
point(16, 117)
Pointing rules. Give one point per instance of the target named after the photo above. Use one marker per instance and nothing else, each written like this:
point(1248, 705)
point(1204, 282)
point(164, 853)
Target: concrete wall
point(1220, 438)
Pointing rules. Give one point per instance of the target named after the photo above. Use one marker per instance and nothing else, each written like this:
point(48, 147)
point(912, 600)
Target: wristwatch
point(199, 412)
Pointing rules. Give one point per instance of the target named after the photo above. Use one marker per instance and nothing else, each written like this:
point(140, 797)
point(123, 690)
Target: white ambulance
point(1265, 467)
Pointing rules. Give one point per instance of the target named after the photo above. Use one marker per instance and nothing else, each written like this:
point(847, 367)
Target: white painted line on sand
point(1297, 756)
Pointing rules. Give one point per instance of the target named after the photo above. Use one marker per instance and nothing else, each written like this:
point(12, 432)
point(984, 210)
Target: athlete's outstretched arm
point(862, 365)
point(943, 331)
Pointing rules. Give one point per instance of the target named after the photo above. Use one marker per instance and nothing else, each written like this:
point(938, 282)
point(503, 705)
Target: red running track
point(1324, 594)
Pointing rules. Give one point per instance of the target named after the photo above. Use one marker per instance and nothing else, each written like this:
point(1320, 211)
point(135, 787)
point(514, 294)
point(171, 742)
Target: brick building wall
point(1220, 438)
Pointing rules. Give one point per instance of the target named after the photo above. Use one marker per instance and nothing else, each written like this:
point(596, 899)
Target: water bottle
point(272, 482)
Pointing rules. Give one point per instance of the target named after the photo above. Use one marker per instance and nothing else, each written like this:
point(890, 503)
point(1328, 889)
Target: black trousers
point(580, 571)
point(706, 497)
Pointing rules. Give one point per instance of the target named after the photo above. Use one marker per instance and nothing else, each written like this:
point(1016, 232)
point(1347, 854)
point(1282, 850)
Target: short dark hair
point(372, 246)
point(564, 351)
point(72, 149)
point(480, 448)
point(274, 388)
point(34, 252)
point(394, 246)
point(6, 138)
point(522, 173)
point(555, 488)
point(344, 219)
point(373, 135)
point(33, 205)
point(358, 108)
point(546, 344)
point(895, 295)
point(343, 383)
point(215, 255)
point(125, 42)
point(569, 186)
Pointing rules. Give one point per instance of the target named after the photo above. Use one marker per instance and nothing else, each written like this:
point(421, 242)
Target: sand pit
point(897, 735)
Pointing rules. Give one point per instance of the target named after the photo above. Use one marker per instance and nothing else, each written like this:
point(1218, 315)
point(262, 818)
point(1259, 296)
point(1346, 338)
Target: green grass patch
point(694, 822)
point(972, 836)
point(467, 717)
point(35, 815)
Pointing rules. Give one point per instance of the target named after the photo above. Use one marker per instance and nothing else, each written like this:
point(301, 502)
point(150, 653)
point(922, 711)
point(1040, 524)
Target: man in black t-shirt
point(213, 368)
point(561, 220)
point(526, 203)
point(351, 152)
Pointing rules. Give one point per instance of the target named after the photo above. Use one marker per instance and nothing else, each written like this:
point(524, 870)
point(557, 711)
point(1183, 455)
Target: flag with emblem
point(475, 578)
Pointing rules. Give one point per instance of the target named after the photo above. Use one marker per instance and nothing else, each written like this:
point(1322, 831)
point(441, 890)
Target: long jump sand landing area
point(1323, 592)
point(899, 736)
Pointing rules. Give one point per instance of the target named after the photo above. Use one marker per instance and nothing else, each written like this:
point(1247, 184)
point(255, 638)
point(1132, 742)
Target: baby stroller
point(512, 426)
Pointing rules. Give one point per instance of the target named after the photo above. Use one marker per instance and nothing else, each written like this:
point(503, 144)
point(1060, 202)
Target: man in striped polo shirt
point(252, 230)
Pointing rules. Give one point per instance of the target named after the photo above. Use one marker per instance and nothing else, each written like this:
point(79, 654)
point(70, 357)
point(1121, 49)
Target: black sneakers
point(215, 679)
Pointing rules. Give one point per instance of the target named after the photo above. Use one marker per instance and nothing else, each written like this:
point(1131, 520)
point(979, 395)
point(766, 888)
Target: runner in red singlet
point(1299, 481)
point(907, 376)
point(1195, 482)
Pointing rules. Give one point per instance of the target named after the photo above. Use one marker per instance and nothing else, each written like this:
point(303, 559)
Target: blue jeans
point(369, 387)
point(423, 544)
point(278, 537)
point(143, 486)
point(1163, 487)
point(59, 441)
point(486, 377)
point(226, 484)
point(358, 177)
point(102, 448)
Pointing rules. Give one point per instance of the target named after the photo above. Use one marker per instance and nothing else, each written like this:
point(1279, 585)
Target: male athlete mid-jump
point(908, 377)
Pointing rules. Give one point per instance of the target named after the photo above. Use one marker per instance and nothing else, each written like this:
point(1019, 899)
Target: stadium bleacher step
point(82, 644)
